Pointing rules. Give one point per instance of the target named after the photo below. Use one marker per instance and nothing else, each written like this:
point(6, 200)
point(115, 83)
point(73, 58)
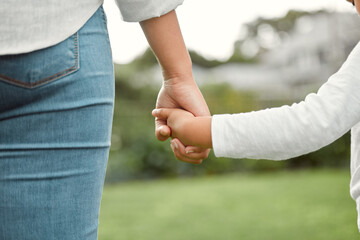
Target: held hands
point(182, 93)
point(178, 121)
point(189, 130)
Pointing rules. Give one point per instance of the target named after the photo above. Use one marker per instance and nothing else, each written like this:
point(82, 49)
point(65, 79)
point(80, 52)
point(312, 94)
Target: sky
point(209, 27)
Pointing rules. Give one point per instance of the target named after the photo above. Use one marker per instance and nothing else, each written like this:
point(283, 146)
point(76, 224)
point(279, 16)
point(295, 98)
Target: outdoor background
point(247, 55)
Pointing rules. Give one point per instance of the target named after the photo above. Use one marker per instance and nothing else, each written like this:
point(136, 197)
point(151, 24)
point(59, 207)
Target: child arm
point(290, 131)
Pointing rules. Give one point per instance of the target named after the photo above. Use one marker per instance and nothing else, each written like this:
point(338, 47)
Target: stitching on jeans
point(103, 14)
point(53, 77)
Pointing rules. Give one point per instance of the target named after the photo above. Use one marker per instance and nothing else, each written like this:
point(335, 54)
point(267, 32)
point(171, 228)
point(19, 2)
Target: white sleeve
point(139, 10)
point(290, 131)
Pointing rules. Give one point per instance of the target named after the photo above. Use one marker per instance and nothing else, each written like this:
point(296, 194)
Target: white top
point(290, 131)
point(34, 24)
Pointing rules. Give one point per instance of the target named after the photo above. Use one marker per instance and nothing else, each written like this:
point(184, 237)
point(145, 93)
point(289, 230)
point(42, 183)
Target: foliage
point(282, 24)
point(286, 205)
point(145, 60)
point(276, 30)
point(148, 60)
point(201, 61)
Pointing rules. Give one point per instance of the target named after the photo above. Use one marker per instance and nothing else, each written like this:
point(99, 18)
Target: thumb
point(162, 131)
point(161, 113)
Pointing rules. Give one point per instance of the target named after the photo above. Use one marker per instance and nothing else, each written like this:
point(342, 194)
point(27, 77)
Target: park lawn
point(296, 205)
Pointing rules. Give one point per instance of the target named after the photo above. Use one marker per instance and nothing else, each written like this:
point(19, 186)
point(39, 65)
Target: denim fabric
point(56, 109)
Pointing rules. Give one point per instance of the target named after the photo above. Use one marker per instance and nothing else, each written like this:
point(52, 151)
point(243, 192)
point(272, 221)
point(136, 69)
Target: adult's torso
point(31, 25)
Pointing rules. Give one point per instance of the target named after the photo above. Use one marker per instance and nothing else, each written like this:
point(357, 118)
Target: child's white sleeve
point(290, 131)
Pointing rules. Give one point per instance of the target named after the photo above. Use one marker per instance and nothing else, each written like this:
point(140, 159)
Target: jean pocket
point(38, 68)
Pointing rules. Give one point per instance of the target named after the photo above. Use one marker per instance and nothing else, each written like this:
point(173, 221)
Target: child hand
point(190, 130)
point(188, 133)
point(178, 120)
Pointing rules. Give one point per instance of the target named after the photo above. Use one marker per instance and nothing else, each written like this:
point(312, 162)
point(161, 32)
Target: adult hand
point(181, 92)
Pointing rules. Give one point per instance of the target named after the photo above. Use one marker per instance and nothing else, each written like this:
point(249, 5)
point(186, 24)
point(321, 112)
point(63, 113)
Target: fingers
point(180, 153)
point(196, 104)
point(162, 131)
point(196, 152)
point(161, 113)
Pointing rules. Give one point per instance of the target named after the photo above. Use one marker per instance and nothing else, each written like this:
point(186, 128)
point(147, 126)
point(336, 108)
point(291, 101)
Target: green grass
point(301, 205)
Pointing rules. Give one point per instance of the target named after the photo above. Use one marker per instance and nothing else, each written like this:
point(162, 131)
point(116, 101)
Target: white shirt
point(290, 131)
point(34, 24)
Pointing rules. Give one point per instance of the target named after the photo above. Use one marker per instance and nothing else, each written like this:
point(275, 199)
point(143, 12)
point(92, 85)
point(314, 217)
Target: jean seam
point(50, 78)
point(103, 14)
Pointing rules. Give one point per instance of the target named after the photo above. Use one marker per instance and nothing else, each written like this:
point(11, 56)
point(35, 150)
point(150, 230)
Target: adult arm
point(159, 23)
point(179, 89)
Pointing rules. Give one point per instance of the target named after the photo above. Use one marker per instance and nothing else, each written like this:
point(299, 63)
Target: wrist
point(198, 132)
point(184, 131)
point(179, 80)
point(181, 74)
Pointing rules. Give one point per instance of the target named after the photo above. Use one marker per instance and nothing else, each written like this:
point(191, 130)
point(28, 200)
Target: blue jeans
point(56, 109)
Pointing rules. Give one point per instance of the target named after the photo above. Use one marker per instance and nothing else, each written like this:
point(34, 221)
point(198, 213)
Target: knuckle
point(160, 137)
point(182, 151)
point(197, 149)
point(184, 160)
point(178, 156)
point(198, 162)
